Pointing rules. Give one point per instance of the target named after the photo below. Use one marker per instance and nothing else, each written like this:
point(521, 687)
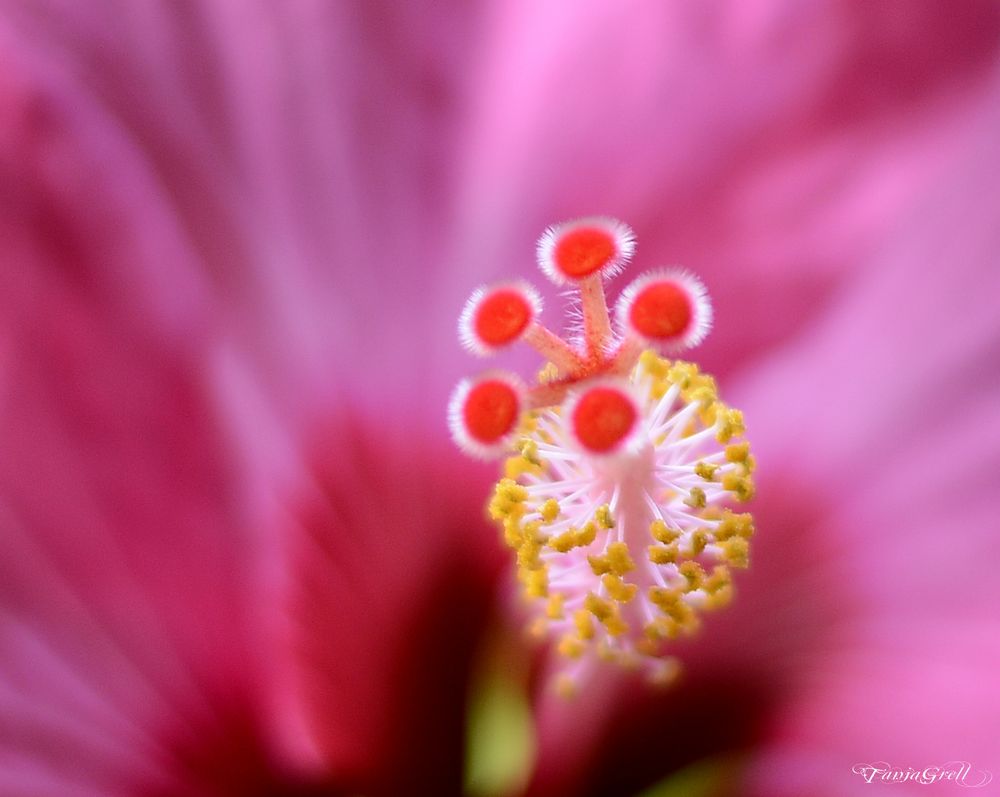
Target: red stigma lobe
point(502, 317)
point(662, 310)
point(602, 418)
point(490, 411)
point(581, 252)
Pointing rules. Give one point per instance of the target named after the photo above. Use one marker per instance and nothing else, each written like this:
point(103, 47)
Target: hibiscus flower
point(240, 554)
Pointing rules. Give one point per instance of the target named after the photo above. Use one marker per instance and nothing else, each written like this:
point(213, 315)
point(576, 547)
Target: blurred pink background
point(239, 554)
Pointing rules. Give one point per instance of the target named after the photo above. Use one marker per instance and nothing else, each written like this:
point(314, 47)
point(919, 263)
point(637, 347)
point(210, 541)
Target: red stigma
point(490, 411)
point(661, 311)
point(581, 252)
point(502, 317)
point(602, 418)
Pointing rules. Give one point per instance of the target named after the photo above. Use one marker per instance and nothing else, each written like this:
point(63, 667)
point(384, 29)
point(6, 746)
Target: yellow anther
point(670, 603)
point(537, 583)
point(549, 510)
point(529, 423)
point(574, 538)
point(662, 532)
point(687, 620)
point(599, 564)
point(618, 589)
point(507, 500)
point(663, 597)
point(619, 559)
point(584, 623)
point(607, 613)
point(662, 554)
point(659, 629)
point(498, 508)
point(718, 579)
point(730, 424)
point(682, 373)
point(653, 365)
point(734, 525)
point(699, 540)
point(741, 485)
point(512, 491)
point(615, 625)
point(598, 607)
point(721, 597)
point(603, 517)
point(554, 607)
point(708, 415)
point(532, 531)
point(696, 498)
point(529, 450)
point(564, 542)
point(736, 551)
point(706, 470)
point(693, 573)
point(706, 382)
point(528, 554)
point(570, 646)
point(514, 467)
point(703, 391)
point(512, 532)
point(738, 452)
point(586, 535)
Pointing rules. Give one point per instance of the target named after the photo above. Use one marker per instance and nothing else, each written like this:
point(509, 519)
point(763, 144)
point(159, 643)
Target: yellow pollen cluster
point(621, 466)
point(622, 555)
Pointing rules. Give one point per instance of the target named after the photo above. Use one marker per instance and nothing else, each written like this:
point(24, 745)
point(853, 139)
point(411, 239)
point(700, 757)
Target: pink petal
point(126, 648)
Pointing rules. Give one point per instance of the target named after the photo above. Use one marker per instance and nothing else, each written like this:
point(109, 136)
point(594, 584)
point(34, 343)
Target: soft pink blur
point(239, 554)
